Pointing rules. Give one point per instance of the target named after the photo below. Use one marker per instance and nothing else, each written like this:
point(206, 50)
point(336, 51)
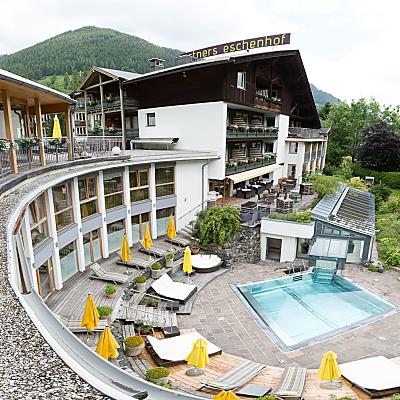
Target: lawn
point(395, 192)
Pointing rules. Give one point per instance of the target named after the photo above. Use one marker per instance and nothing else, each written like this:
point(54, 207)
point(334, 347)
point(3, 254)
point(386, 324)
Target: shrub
point(110, 289)
point(381, 193)
point(373, 268)
point(169, 256)
point(141, 279)
point(217, 225)
point(391, 206)
point(157, 373)
point(156, 266)
point(134, 341)
point(303, 217)
point(146, 329)
point(391, 179)
point(150, 301)
point(104, 311)
point(325, 185)
point(357, 184)
point(269, 397)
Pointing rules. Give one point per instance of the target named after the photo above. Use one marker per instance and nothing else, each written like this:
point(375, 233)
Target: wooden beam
point(121, 102)
point(103, 118)
point(100, 84)
point(39, 132)
point(68, 133)
point(50, 108)
point(8, 123)
point(27, 123)
point(86, 114)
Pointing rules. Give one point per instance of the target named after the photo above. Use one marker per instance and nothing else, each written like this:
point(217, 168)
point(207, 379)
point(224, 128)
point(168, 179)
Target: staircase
point(187, 231)
point(323, 275)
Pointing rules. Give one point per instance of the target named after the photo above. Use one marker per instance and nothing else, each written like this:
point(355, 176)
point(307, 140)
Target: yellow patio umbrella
point(147, 242)
point(225, 396)
point(125, 250)
point(187, 261)
point(198, 358)
point(329, 371)
point(91, 316)
point(56, 128)
point(107, 345)
point(171, 231)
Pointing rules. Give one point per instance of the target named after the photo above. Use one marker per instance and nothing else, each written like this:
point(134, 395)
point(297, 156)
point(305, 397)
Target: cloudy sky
point(349, 47)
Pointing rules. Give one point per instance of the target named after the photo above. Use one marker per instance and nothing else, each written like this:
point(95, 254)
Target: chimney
point(156, 64)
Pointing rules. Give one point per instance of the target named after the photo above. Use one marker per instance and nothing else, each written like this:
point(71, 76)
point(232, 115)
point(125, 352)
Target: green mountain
point(321, 97)
point(57, 61)
point(78, 50)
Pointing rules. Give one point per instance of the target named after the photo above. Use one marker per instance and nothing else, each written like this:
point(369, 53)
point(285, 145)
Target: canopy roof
point(329, 248)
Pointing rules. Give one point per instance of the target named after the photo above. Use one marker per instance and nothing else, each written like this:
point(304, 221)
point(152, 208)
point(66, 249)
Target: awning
point(253, 173)
point(155, 140)
point(329, 248)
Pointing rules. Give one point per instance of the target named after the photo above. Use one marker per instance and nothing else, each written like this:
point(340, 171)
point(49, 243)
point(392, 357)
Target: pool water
point(300, 312)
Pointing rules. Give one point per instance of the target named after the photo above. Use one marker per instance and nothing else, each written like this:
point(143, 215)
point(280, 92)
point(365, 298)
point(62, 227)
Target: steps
point(323, 275)
point(187, 231)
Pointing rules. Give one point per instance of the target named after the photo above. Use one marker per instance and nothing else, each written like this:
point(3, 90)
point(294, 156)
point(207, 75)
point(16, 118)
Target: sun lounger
point(179, 241)
point(174, 350)
point(375, 376)
point(136, 262)
point(154, 251)
point(235, 377)
point(75, 325)
point(292, 383)
point(99, 273)
point(169, 289)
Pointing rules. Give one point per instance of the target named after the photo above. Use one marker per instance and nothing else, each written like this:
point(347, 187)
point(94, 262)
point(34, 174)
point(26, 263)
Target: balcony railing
point(233, 131)
point(98, 132)
point(306, 133)
point(234, 167)
point(306, 157)
point(112, 104)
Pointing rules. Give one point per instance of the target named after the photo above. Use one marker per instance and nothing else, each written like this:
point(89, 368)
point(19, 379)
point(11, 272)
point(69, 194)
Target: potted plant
point(110, 290)
point(145, 330)
point(104, 311)
point(169, 260)
point(141, 283)
point(133, 345)
point(150, 301)
point(195, 248)
point(158, 375)
point(155, 270)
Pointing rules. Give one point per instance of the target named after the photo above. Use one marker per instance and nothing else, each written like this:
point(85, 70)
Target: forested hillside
point(321, 97)
point(78, 50)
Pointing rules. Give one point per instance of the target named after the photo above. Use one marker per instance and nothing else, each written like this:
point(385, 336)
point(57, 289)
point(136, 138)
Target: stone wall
point(245, 247)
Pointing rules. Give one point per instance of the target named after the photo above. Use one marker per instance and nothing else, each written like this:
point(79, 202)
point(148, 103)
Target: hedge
point(391, 179)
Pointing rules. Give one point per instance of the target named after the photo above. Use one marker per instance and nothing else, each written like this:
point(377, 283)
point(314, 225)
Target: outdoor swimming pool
point(297, 312)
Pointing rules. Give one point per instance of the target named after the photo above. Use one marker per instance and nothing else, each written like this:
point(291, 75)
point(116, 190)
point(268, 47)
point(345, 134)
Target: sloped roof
point(126, 75)
point(348, 208)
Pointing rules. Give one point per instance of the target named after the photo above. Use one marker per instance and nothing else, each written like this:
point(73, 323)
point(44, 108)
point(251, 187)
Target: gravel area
point(29, 368)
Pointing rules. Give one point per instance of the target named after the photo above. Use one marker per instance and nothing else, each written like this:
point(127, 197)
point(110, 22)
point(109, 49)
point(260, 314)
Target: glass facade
point(69, 261)
point(45, 279)
point(88, 195)
point(115, 232)
point(162, 219)
point(113, 188)
point(92, 246)
point(139, 225)
point(38, 220)
point(165, 181)
point(139, 184)
point(62, 201)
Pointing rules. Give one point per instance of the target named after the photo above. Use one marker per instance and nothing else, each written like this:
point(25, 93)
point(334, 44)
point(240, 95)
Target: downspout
point(202, 180)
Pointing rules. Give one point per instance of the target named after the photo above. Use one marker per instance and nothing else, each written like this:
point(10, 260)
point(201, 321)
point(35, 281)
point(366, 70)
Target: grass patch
point(395, 192)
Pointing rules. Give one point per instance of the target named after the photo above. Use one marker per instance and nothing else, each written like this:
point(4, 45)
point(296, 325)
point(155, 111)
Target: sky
point(349, 47)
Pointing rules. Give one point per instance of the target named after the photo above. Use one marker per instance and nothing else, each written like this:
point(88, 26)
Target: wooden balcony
point(250, 132)
point(307, 133)
point(234, 167)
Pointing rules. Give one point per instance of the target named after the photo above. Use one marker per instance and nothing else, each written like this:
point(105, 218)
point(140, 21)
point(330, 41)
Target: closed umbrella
point(329, 371)
point(171, 231)
point(147, 242)
point(107, 345)
point(225, 396)
point(91, 316)
point(56, 128)
point(187, 262)
point(125, 250)
point(198, 358)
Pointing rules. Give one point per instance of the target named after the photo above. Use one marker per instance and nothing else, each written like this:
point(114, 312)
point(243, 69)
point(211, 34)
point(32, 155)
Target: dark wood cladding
point(278, 73)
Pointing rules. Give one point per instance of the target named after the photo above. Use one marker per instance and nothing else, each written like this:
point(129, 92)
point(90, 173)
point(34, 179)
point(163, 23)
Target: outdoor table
point(247, 193)
point(258, 188)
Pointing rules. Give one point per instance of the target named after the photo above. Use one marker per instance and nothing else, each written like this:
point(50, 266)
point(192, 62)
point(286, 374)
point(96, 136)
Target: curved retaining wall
point(40, 358)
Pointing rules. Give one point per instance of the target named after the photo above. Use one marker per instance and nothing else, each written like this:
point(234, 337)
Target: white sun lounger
point(376, 376)
point(166, 287)
point(75, 325)
point(101, 274)
point(174, 350)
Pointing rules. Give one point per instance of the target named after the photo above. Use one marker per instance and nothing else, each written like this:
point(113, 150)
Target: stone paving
point(222, 318)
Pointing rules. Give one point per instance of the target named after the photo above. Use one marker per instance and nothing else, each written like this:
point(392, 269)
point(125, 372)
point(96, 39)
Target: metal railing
point(111, 104)
point(240, 166)
point(306, 133)
point(95, 146)
point(256, 132)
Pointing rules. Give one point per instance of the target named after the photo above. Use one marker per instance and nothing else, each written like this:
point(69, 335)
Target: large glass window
point(139, 225)
point(241, 80)
point(91, 246)
point(62, 200)
point(165, 181)
point(68, 261)
point(293, 147)
point(139, 184)
point(38, 220)
point(113, 188)
point(45, 279)
point(162, 219)
point(303, 247)
point(115, 232)
point(88, 195)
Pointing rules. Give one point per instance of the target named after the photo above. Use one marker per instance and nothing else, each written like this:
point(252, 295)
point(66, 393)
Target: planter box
point(141, 287)
point(133, 351)
point(169, 263)
point(156, 273)
point(160, 380)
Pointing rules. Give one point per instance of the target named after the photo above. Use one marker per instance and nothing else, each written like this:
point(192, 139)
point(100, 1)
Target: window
point(268, 147)
point(291, 171)
point(62, 200)
point(68, 261)
point(255, 145)
point(88, 195)
point(45, 279)
point(115, 232)
point(165, 181)
point(163, 218)
point(139, 225)
point(92, 246)
point(38, 220)
point(151, 119)
point(293, 148)
point(241, 80)
point(139, 184)
point(113, 188)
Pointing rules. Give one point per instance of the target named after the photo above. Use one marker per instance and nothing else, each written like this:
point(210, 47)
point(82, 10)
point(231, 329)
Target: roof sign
point(240, 45)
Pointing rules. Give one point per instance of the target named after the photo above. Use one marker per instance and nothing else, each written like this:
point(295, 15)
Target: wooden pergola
point(32, 99)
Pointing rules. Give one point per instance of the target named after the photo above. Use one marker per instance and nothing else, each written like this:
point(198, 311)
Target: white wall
point(198, 126)
point(191, 190)
point(288, 249)
point(281, 152)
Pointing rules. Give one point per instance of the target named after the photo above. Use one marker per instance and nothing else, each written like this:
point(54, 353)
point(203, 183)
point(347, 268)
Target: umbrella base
point(194, 372)
point(330, 385)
